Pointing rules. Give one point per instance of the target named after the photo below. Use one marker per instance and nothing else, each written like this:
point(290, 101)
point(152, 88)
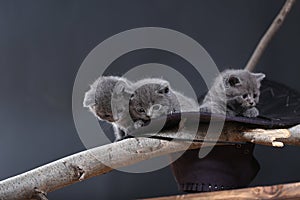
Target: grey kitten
point(105, 100)
point(241, 94)
point(153, 97)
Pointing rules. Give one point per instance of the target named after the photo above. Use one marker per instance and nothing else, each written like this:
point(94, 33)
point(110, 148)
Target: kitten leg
point(252, 112)
point(119, 134)
point(230, 112)
point(138, 124)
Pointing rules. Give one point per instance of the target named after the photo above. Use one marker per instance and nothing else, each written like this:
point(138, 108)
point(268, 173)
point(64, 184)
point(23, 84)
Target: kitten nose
point(149, 113)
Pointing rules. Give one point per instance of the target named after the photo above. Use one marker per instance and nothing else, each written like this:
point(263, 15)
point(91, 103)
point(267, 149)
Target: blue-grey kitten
point(153, 97)
point(105, 99)
point(235, 93)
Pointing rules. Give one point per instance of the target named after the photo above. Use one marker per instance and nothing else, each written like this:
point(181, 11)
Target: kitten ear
point(233, 81)
point(164, 88)
point(89, 98)
point(132, 97)
point(122, 88)
point(259, 76)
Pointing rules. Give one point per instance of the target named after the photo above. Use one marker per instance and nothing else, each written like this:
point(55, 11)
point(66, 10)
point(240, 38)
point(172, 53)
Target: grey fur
point(241, 94)
point(117, 101)
point(186, 104)
point(153, 97)
point(103, 93)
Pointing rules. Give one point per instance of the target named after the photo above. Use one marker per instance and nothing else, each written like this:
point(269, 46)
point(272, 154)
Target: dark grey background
point(43, 43)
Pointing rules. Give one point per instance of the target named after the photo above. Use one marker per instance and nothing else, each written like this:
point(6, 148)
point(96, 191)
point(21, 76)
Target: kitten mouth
point(251, 106)
point(246, 105)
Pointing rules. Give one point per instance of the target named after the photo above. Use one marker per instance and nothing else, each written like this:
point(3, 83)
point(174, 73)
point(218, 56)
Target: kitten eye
point(166, 90)
point(254, 95)
point(141, 110)
point(245, 96)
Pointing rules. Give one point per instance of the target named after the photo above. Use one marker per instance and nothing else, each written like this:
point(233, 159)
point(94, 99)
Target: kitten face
point(150, 100)
point(99, 98)
point(242, 89)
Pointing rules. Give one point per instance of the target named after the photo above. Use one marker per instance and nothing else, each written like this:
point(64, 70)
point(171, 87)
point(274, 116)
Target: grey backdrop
point(43, 43)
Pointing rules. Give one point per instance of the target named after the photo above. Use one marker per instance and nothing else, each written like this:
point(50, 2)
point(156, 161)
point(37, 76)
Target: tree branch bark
point(84, 165)
point(263, 43)
point(282, 191)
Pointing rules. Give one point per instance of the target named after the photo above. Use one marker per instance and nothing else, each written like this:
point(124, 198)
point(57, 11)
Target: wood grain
point(282, 191)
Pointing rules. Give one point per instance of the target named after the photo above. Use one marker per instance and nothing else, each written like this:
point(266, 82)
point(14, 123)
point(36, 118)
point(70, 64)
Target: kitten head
point(99, 98)
point(242, 88)
point(150, 99)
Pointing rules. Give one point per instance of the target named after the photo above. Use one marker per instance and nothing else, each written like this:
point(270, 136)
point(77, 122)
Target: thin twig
point(263, 43)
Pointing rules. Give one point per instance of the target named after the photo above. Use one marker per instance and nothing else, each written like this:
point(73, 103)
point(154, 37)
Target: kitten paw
point(138, 124)
point(252, 112)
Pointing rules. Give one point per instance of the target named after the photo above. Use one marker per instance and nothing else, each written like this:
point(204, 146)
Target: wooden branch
point(85, 164)
point(282, 191)
point(263, 43)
